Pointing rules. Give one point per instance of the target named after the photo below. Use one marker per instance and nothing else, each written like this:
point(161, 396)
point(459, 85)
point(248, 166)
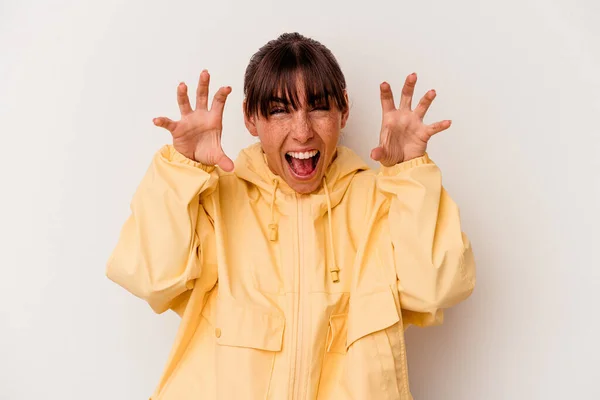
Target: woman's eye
point(277, 110)
point(321, 108)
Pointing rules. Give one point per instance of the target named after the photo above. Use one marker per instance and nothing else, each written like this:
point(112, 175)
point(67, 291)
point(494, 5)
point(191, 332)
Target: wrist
point(406, 165)
point(409, 157)
point(174, 155)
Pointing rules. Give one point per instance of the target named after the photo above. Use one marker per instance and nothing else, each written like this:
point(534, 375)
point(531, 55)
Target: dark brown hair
point(273, 71)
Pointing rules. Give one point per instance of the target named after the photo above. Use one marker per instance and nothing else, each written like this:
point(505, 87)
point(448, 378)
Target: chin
point(305, 188)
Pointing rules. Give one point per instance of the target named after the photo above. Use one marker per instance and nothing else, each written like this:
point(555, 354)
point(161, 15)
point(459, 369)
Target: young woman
point(297, 269)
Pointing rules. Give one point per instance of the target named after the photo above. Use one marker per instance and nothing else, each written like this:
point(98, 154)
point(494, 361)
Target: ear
point(347, 112)
point(250, 122)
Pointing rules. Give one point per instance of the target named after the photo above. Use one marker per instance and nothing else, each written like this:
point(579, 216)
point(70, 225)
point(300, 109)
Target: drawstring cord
point(334, 270)
point(273, 227)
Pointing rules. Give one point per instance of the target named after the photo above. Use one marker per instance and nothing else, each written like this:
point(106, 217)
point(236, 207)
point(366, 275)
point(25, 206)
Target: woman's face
point(299, 144)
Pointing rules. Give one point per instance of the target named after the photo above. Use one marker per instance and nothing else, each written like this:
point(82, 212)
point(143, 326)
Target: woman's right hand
point(198, 134)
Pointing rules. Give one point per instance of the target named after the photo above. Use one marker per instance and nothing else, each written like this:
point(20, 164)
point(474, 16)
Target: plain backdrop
point(81, 81)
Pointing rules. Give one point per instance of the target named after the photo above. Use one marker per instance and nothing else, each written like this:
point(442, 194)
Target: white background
point(80, 83)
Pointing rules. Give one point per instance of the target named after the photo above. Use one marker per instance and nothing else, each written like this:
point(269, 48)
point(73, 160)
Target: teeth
point(302, 156)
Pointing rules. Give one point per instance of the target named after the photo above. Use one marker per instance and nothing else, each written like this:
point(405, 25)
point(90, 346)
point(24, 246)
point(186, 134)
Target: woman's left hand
point(403, 135)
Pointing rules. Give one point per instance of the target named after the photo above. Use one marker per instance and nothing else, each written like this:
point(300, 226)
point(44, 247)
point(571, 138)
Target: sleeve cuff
point(172, 155)
point(406, 165)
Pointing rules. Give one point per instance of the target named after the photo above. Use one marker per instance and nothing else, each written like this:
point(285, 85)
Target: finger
point(387, 97)
point(183, 100)
point(408, 90)
point(202, 91)
point(225, 163)
point(218, 103)
point(424, 104)
point(377, 153)
point(164, 122)
point(439, 126)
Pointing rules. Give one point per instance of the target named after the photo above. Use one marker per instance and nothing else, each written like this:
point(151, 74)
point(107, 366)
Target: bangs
point(279, 73)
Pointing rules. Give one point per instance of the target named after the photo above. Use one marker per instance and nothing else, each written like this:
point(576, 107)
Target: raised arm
point(166, 246)
point(433, 257)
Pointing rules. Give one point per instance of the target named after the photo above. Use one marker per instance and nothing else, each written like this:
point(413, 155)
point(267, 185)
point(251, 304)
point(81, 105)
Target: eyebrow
point(275, 99)
point(318, 99)
point(312, 100)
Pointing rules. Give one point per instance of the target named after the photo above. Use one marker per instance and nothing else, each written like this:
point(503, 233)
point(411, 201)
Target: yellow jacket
point(290, 296)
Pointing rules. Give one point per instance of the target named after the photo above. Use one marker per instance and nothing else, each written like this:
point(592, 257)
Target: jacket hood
point(251, 166)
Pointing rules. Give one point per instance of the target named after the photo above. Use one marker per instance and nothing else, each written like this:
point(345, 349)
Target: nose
point(302, 130)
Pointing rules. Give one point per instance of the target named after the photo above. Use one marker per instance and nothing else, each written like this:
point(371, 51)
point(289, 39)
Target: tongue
point(302, 167)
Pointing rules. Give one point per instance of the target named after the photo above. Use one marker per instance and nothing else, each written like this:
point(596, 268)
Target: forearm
point(434, 259)
point(156, 256)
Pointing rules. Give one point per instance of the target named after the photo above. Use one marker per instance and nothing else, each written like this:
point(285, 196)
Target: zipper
point(298, 362)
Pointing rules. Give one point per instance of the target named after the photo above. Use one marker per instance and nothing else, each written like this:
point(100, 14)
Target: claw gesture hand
point(403, 134)
point(197, 135)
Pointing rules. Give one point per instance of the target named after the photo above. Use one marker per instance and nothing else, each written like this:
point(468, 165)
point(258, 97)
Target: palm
point(404, 135)
point(198, 134)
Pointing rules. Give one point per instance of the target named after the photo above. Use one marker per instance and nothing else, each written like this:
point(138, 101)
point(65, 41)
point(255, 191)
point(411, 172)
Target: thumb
point(164, 122)
point(225, 163)
point(377, 153)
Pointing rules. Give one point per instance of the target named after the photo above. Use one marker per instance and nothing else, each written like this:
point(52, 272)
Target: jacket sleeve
point(164, 244)
point(433, 257)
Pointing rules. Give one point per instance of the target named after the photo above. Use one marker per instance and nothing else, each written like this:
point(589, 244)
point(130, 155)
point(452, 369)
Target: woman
point(297, 271)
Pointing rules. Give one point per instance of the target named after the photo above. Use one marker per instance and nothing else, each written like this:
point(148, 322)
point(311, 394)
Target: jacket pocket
point(337, 333)
point(375, 361)
point(247, 341)
point(371, 313)
point(368, 314)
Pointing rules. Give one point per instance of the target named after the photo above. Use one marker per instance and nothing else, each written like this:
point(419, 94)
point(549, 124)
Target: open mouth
point(303, 164)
